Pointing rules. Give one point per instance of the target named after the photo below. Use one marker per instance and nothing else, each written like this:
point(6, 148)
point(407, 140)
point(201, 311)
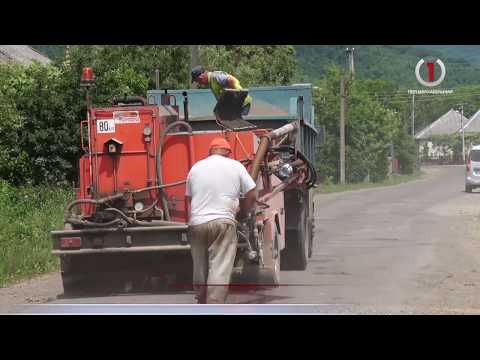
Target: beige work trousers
point(213, 246)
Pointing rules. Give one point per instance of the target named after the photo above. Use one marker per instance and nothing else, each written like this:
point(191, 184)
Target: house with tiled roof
point(21, 54)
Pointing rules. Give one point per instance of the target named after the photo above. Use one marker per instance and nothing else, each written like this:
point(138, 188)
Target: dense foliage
point(266, 65)
point(37, 126)
point(371, 130)
point(41, 106)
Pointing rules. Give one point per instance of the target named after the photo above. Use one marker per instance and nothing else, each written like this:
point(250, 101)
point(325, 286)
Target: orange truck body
point(134, 167)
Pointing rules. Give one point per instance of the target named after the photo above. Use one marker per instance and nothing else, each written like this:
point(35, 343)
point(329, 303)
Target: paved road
point(411, 248)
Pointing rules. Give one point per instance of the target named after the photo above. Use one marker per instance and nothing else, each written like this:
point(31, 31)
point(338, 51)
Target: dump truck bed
point(272, 107)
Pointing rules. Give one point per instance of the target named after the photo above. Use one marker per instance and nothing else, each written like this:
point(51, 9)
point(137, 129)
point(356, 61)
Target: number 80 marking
point(106, 126)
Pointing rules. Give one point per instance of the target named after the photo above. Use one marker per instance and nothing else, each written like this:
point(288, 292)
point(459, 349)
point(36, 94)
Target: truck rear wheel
point(83, 274)
point(74, 281)
point(310, 228)
point(268, 276)
point(297, 243)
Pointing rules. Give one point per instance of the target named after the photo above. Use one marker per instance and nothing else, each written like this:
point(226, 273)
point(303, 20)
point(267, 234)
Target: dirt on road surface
point(38, 290)
point(405, 249)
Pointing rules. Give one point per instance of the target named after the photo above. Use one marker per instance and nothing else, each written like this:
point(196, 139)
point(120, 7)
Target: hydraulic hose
point(312, 179)
point(69, 219)
point(91, 223)
point(133, 221)
point(160, 186)
point(69, 207)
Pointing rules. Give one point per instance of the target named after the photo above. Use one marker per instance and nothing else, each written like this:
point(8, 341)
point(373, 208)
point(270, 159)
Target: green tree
point(370, 129)
point(46, 133)
point(14, 166)
point(123, 70)
point(253, 65)
point(41, 106)
point(405, 150)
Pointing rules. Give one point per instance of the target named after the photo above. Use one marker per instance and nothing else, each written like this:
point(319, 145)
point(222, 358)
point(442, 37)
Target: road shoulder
point(40, 289)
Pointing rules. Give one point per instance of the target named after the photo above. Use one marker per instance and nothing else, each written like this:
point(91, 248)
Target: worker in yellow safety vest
point(218, 81)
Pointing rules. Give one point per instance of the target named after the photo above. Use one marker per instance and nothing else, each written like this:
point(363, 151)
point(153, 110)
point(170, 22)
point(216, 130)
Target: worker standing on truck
point(214, 187)
point(218, 81)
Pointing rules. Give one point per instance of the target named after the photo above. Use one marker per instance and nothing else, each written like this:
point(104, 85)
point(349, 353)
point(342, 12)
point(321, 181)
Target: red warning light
point(87, 74)
point(87, 79)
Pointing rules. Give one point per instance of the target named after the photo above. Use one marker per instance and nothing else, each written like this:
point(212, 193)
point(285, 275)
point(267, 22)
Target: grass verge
point(393, 180)
point(27, 215)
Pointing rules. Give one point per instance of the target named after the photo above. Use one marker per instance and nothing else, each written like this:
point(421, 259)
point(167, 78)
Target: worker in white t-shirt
point(214, 187)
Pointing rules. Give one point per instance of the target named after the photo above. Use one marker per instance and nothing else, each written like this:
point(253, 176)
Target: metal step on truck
point(130, 216)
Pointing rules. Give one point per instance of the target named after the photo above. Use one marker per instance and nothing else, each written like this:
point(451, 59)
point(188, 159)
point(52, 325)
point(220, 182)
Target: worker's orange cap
point(221, 143)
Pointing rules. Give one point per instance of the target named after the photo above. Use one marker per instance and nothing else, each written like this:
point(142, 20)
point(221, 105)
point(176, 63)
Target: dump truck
point(130, 215)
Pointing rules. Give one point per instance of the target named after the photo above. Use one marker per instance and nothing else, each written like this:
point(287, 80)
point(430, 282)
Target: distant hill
point(470, 53)
point(395, 63)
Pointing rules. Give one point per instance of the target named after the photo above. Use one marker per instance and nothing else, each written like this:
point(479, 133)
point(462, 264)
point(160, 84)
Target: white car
point(472, 175)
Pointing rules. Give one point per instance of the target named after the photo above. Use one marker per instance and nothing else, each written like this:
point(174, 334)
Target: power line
point(407, 96)
point(404, 92)
point(450, 92)
point(427, 97)
point(430, 99)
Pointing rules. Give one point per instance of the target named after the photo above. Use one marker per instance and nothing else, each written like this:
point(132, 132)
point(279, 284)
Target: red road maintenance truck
point(130, 214)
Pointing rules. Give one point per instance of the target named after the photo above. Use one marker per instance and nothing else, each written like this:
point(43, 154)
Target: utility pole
point(351, 62)
point(463, 138)
point(413, 115)
point(349, 52)
point(66, 57)
point(157, 79)
point(342, 129)
point(351, 70)
point(463, 132)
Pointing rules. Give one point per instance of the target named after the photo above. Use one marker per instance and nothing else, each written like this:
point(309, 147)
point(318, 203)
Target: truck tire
point(310, 229)
point(87, 274)
point(74, 282)
point(271, 276)
point(67, 280)
point(255, 274)
point(297, 234)
point(184, 274)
